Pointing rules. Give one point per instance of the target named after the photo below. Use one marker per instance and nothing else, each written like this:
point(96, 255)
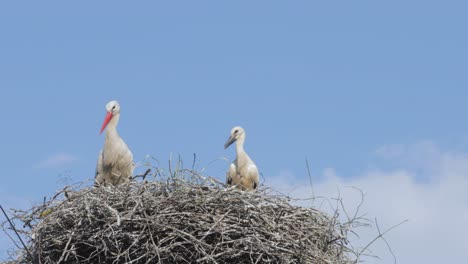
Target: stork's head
point(236, 133)
point(112, 108)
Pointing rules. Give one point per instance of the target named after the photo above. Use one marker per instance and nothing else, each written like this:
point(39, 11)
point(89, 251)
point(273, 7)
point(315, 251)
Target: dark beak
point(230, 140)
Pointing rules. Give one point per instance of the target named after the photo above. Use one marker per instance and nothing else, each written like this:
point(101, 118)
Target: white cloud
point(437, 208)
point(57, 161)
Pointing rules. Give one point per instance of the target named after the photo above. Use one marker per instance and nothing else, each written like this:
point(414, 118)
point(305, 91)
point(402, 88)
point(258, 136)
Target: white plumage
point(243, 172)
point(115, 162)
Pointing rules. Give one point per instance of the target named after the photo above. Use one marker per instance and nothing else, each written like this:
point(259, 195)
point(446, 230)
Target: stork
point(242, 172)
point(115, 162)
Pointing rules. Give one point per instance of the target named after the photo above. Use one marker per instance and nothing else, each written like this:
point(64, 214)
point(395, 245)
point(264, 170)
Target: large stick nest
point(190, 219)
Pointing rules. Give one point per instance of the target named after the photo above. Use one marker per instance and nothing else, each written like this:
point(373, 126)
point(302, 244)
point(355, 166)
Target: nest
point(190, 219)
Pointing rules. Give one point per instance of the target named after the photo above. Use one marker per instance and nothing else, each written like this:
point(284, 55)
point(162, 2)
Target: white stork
point(115, 162)
point(242, 173)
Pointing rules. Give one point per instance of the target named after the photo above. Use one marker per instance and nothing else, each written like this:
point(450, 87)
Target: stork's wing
point(99, 175)
point(252, 176)
point(231, 174)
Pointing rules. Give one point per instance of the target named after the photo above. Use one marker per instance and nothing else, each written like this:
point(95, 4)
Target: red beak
point(107, 119)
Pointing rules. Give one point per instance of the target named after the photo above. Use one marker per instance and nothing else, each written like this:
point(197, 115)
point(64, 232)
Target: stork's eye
point(235, 132)
point(113, 107)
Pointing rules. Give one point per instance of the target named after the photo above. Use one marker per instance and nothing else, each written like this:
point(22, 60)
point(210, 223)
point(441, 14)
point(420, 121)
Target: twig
point(143, 176)
point(310, 176)
point(17, 234)
point(194, 161)
point(376, 238)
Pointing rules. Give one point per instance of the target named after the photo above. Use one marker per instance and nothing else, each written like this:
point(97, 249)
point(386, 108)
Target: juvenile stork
point(242, 172)
point(115, 162)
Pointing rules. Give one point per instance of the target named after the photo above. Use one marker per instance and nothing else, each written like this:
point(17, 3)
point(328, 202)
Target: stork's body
point(243, 172)
point(115, 162)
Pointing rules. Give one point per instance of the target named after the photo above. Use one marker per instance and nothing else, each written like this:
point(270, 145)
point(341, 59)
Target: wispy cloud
point(437, 208)
point(56, 161)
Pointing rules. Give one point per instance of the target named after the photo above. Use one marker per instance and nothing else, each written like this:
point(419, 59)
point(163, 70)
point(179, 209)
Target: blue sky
point(355, 86)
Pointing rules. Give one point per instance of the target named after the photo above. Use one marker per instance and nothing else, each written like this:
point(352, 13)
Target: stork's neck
point(111, 130)
point(240, 146)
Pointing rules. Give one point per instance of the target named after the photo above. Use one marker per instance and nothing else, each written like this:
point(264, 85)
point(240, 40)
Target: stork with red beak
point(115, 162)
